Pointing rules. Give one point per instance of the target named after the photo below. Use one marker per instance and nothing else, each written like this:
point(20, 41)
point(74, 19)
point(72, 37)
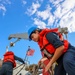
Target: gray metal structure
point(19, 36)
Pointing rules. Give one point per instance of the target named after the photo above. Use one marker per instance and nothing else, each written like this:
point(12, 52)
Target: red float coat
point(9, 56)
point(44, 44)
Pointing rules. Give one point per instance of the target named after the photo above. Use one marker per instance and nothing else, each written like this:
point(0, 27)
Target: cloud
point(8, 2)
point(24, 2)
point(5, 1)
point(53, 13)
point(3, 9)
point(3, 4)
point(57, 13)
point(39, 23)
point(65, 13)
point(44, 14)
point(56, 2)
point(32, 10)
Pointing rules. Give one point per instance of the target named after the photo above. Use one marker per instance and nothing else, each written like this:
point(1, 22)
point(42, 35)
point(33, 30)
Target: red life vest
point(44, 44)
point(9, 56)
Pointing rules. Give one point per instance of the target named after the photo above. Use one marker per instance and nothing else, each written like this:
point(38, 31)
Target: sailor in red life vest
point(56, 49)
point(9, 63)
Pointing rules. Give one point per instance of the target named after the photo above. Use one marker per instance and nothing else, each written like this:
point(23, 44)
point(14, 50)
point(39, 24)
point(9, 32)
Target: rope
point(20, 69)
point(22, 64)
point(17, 66)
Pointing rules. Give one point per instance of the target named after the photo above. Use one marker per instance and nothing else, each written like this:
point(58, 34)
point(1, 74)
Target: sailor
point(9, 63)
point(57, 49)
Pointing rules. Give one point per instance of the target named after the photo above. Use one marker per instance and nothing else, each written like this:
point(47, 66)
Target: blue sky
point(17, 16)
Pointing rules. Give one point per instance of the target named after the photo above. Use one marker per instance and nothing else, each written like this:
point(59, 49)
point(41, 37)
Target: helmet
point(30, 31)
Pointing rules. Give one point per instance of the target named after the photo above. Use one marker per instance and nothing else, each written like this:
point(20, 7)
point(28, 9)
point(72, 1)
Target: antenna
point(7, 48)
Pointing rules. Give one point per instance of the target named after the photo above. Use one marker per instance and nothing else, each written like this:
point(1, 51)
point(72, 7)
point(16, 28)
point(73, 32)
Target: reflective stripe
point(47, 53)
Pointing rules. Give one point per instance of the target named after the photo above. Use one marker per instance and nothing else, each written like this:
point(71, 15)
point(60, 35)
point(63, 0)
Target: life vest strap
point(48, 55)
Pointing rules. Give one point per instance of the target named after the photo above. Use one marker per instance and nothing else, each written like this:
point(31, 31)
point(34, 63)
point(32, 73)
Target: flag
point(30, 52)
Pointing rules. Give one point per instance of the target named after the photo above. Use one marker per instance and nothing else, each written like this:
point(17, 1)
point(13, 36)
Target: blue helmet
point(30, 31)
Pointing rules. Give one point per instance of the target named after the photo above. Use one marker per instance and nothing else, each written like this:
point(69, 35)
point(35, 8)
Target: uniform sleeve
point(19, 59)
point(53, 39)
